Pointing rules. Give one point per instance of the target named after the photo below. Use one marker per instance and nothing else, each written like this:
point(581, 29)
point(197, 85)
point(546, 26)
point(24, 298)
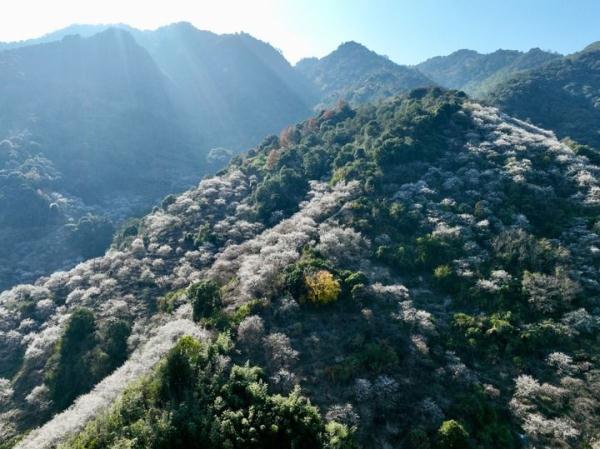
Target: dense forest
point(381, 276)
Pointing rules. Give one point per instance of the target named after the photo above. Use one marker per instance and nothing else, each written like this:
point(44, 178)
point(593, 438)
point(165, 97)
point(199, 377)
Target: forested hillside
point(477, 73)
point(97, 123)
point(355, 74)
point(563, 96)
point(87, 127)
point(397, 262)
point(94, 130)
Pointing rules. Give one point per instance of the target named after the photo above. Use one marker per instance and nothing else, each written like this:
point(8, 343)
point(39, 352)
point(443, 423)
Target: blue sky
point(408, 31)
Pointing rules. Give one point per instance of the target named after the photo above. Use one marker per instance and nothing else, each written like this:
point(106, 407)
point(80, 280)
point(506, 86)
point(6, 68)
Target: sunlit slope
point(398, 262)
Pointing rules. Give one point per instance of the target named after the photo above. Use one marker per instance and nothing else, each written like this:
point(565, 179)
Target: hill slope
point(87, 126)
point(356, 74)
point(108, 124)
point(477, 73)
point(563, 96)
point(394, 261)
point(93, 102)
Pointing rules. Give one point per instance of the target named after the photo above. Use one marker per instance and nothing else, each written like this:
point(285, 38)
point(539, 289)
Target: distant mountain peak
point(535, 50)
point(82, 30)
point(353, 48)
point(183, 26)
point(594, 46)
point(464, 51)
point(352, 45)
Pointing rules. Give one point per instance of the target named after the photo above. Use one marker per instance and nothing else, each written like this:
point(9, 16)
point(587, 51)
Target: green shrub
point(489, 336)
point(69, 370)
point(452, 435)
point(168, 302)
point(179, 370)
point(244, 310)
point(373, 358)
point(84, 355)
point(418, 439)
point(206, 299)
point(280, 192)
point(193, 401)
point(488, 419)
point(113, 341)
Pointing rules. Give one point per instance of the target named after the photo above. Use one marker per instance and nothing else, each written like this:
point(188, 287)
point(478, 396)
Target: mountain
point(101, 108)
point(356, 74)
point(83, 30)
point(236, 88)
point(232, 87)
point(397, 262)
point(563, 96)
point(99, 128)
point(477, 73)
point(87, 126)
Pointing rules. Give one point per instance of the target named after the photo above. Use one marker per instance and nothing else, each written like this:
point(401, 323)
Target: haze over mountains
point(83, 30)
point(358, 75)
point(83, 119)
point(105, 120)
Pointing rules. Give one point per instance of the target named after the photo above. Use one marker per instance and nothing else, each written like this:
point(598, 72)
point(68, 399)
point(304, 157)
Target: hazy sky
point(408, 31)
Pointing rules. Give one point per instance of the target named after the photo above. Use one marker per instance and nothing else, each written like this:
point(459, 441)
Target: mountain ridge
point(354, 73)
point(477, 73)
point(563, 95)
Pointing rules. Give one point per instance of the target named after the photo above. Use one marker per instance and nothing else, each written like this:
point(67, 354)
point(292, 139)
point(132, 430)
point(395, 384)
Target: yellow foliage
point(322, 287)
